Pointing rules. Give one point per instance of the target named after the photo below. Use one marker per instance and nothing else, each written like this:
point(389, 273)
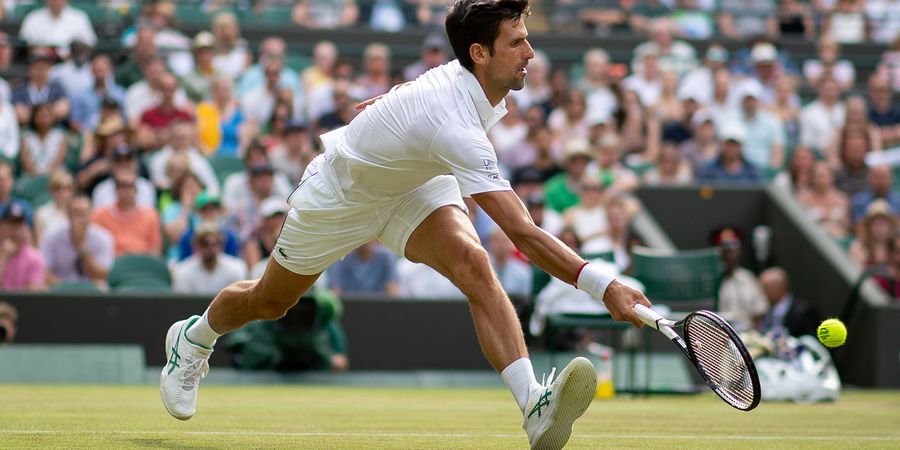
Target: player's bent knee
point(471, 267)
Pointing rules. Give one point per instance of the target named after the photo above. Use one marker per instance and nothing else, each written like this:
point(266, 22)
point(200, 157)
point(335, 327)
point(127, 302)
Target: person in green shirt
point(309, 337)
point(561, 191)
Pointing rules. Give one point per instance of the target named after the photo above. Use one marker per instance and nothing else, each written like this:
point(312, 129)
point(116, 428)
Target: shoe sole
point(162, 374)
point(577, 394)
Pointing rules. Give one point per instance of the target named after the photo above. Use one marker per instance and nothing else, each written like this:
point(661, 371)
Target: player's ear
point(479, 53)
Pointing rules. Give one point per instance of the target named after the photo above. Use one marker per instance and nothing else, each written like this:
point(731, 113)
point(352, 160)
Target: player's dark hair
point(478, 22)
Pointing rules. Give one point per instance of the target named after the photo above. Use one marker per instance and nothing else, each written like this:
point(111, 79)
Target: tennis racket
point(715, 350)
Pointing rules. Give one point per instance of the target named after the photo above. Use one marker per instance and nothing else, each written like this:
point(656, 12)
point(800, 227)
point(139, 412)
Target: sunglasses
point(210, 243)
point(125, 185)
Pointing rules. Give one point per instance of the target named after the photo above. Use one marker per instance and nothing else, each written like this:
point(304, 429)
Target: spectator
point(827, 205)
point(787, 109)
point(819, 119)
point(222, 126)
point(244, 211)
point(156, 121)
point(97, 152)
point(39, 89)
point(322, 97)
point(325, 55)
point(890, 279)
point(295, 152)
point(883, 113)
point(880, 183)
point(420, 282)
point(614, 177)
point(237, 192)
point(595, 84)
point(588, 217)
point(514, 275)
point(7, 181)
point(196, 83)
point(619, 216)
point(261, 243)
point(182, 136)
point(646, 82)
point(376, 77)
point(701, 149)
point(432, 13)
point(172, 44)
point(671, 55)
point(44, 146)
point(209, 270)
point(797, 316)
point(327, 14)
point(883, 20)
point(645, 13)
point(22, 265)
point(562, 190)
point(765, 67)
point(730, 166)
point(178, 215)
point(534, 156)
point(873, 233)
point(57, 25)
point(510, 132)
point(764, 137)
point(9, 315)
point(207, 209)
point(9, 128)
point(123, 159)
point(852, 172)
point(310, 337)
point(691, 21)
point(569, 121)
point(548, 219)
point(144, 49)
point(53, 215)
point(744, 19)
point(670, 168)
point(232, 56)
point(798, 177)
point(80, 250)
point(74, 74)
point(6, 57)
point(698, 83)
point(433, 54)
point(369, 270)
point(87, 103)
point(344, 108)
point(741, 299)
point(858, 120)
point(135, 229)
point(270, 48)
point(829, 65)
point(845, 24)
point(147, 93)
point(258, 104)
point(669, 108)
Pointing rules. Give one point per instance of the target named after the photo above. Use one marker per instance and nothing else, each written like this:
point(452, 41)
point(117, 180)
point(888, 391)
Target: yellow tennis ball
point(832, 333)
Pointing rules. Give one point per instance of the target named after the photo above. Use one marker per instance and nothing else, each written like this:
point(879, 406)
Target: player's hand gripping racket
point(715, 350)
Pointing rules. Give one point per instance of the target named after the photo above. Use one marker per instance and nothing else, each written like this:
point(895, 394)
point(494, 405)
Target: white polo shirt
point(432, 126)
point(40, 28)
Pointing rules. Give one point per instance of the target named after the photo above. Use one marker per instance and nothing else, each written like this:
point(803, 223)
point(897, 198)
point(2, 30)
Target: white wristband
point(593, 281)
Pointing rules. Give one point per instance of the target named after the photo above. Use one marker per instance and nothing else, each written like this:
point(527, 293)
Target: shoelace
point(547, 381)
point(193, 372)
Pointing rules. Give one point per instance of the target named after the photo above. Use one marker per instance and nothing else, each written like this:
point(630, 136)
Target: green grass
point(347, 417)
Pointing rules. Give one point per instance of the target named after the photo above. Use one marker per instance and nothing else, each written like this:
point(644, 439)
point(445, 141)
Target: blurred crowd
point(188, 147)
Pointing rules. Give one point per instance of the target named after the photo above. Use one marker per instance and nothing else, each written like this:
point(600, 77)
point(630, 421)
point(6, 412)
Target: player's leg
point(446, 241)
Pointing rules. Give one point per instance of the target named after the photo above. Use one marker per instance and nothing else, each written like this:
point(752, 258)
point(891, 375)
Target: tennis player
point(398, 173)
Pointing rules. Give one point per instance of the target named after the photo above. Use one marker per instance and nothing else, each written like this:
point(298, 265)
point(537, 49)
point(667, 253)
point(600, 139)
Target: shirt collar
point(488, 114)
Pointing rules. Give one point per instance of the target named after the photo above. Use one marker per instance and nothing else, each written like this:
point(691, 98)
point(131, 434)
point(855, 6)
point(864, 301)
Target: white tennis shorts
point(321, 228)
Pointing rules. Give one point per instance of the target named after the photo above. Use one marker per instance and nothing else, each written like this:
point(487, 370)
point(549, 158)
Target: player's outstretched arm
point(551, 255)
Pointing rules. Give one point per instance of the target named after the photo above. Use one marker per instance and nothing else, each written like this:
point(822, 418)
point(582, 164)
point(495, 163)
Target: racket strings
point(721, 361)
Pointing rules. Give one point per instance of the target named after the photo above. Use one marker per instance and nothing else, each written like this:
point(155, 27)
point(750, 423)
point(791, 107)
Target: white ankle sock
point(200, 332)
point(519, 376)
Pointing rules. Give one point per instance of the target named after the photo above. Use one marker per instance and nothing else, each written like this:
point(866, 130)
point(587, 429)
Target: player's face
point(506, 68)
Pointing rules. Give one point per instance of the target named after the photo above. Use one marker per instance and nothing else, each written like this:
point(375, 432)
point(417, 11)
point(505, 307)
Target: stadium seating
point(84, 287)
point(686, 278)
point(33, 188)
point(146, 271)
point(224, 165)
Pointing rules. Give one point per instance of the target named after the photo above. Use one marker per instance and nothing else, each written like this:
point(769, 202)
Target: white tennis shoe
point(180, 378)
point(552, 409)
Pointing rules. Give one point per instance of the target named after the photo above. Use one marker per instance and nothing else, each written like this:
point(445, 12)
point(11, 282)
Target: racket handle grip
point(648, 316)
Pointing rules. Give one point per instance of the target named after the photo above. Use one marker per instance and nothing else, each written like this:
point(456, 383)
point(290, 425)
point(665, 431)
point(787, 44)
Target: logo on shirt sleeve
point(489, 164)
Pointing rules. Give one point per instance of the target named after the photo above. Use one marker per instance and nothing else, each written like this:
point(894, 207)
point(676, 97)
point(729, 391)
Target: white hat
point(273, 205)
point(733, 132)
point(751, 88)
point(702, 116)
point(598, 116)
point(764, 52)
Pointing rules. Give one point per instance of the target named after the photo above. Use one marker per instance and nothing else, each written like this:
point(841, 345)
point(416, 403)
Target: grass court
point(313, 417)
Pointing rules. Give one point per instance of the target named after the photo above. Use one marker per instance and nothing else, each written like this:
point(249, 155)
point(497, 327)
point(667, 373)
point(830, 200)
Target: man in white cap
point(765, 134)
point(730, 167)
point(209, 269)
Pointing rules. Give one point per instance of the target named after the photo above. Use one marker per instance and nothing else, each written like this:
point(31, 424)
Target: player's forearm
point(549, 253)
